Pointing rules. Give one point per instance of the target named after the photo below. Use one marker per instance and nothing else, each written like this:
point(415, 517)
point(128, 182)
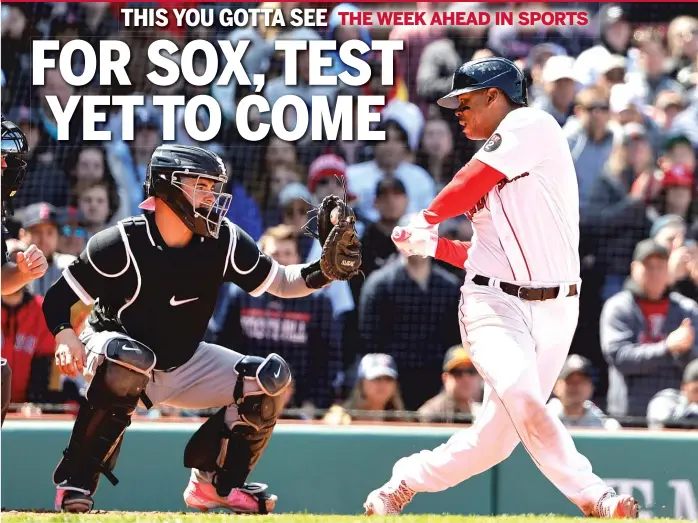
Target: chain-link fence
point(623, 88)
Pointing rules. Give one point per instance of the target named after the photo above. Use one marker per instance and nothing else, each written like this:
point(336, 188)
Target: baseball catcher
point(154, 280)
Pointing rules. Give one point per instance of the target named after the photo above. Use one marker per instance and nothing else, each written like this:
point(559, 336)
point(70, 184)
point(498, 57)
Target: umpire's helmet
point(169, 165)
point(483, 74)
point(14, 168)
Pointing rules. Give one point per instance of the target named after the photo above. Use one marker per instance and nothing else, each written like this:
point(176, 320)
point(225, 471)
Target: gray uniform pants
point(207, 380)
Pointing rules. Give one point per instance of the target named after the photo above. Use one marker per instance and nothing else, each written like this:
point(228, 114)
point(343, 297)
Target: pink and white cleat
point(390, 499)
point(251, 498)
point(73, 499)
point(613, 506)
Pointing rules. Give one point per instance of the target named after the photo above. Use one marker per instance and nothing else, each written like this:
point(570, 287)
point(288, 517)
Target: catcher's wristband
point(313, 276)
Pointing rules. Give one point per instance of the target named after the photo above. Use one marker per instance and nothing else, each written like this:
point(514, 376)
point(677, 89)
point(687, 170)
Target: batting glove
point(417, 238)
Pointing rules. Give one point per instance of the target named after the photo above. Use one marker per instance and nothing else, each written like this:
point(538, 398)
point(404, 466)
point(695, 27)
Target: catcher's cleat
point(251, 498)
point(613, 506)
point(73, 499)
point(388, 500)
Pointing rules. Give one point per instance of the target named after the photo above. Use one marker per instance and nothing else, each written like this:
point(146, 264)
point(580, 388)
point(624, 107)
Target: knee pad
point(112, 397)
point(6, 387)
point(259, 391)
point(232, 452)
point(122, 377)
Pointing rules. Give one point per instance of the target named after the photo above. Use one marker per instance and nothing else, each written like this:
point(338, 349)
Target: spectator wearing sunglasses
point(40, 227)
point(72, 237)
point(590, 139)
point(461, 393)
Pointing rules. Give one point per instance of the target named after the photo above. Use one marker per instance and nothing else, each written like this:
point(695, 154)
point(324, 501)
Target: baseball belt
point(526, 293)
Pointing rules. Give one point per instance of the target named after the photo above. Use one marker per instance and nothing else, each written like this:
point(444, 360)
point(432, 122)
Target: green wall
point(322, 469)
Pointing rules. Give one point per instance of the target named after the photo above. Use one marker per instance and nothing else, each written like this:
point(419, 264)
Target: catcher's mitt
point(336, 231)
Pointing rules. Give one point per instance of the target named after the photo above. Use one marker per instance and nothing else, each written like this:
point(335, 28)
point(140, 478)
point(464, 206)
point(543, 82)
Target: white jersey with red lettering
point(527, 227)
point(527, 233)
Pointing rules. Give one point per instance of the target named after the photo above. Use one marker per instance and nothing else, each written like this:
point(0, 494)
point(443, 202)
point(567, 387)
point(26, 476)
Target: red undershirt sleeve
point(452, 252)
point(468, 186)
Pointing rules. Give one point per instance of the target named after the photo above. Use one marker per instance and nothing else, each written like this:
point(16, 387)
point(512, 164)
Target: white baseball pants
point(519, 348)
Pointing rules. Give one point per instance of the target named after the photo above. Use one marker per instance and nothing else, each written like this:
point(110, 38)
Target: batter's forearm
point(12, 279)
point(452, 252)
point(468, 186)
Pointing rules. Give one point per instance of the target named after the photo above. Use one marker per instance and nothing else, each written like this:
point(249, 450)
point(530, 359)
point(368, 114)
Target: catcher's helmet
point(164, 180)
point(14, 168)
point(483, 74)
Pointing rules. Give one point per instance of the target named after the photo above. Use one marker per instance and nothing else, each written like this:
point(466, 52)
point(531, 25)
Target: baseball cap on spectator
point(677, 175)
point(39, 213)
point(325, 166)
point(456, 356)
point(70, 215)
point(623, 97)
point(64, 22)
point(611, 14)
point(373, 366)
point(146, 118)
point(647, 248)
point(292, 192)
point(665, 221)
point(538, 52)
point(633, 131)
point(390, 184)
point(675, 139)
point(20, 115)
point(690, 373)
point(409, 117)
point(558, 68)
point(613, 62)
point(576, 364)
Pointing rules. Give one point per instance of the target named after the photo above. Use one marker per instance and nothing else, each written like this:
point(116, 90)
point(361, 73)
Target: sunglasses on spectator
point(600, 107)
point(78, 232)
point(457, 373)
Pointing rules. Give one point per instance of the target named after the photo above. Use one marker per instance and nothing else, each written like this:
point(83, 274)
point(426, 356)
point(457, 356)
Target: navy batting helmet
point(483, 74)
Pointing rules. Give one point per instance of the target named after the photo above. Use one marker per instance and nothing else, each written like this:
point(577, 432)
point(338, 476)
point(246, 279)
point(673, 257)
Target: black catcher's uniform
point(162, 296)
point(152, 304)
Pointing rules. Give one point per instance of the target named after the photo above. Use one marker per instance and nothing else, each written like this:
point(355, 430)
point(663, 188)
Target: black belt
point(526, 293)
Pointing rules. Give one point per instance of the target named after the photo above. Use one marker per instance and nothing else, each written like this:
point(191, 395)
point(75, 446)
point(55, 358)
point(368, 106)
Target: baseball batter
point(154, 280)
point(520, 300)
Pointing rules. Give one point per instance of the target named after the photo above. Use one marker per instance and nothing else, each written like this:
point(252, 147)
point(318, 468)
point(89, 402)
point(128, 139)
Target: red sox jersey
point(526, 229)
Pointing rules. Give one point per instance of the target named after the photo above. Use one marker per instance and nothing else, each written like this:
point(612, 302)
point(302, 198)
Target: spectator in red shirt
point(27, 344)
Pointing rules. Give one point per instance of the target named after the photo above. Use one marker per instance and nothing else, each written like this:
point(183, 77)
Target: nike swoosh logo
point(278, 372)
point(174, 302)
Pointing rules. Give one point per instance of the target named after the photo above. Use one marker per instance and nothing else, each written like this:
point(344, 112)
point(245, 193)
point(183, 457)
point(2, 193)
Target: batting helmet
point(483, 74)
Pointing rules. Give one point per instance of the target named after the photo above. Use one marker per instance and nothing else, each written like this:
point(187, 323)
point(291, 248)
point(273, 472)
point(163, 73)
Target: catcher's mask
point(14, 168)
point(191, 181)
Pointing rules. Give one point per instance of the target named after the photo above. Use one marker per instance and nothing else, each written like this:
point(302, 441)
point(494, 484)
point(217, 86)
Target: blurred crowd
point(387, 346)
